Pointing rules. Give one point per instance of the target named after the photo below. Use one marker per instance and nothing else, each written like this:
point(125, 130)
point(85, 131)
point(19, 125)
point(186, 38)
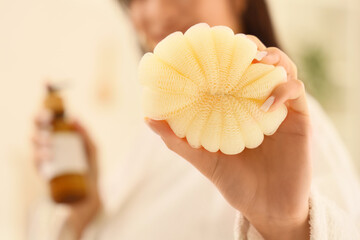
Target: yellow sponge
point(205, 85)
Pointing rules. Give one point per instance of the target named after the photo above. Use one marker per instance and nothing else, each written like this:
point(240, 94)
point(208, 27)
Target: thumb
point(203, 160)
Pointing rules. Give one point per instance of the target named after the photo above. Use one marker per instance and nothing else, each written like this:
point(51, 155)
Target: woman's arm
point(83, 212)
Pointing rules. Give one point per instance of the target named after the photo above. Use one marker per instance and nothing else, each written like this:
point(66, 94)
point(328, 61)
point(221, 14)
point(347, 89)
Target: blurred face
point(155, 19)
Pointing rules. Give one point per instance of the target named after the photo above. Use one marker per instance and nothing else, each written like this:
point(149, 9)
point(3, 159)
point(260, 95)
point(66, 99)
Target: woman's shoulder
point(323, 128)
point(327, 144)
point(335, 174)
point(317, 112)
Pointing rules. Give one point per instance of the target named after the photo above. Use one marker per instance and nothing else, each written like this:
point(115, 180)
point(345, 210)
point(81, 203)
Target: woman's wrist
point(290, 231)
point(70, 231)
point(80, 219)
point(75, 228)
point(285, 228)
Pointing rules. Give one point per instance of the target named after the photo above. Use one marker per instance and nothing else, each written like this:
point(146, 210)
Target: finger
point(90, 147)
point(291, 92)
point(43, 119)
point(203, 160)
point(42, 147)
point(37, 161)
point(276, 57)
point(41, 155)
point(259, 44)
point(42, 138)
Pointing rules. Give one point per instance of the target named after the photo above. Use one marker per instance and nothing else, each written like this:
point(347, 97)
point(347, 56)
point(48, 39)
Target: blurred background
point(90, 45)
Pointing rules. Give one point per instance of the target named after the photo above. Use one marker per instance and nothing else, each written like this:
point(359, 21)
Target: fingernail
point(260, 55)
point(149, 121)
point(267, 104)
point(146, 119)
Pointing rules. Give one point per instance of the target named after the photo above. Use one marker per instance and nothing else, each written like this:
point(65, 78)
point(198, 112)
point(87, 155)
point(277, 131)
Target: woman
point(298, 184)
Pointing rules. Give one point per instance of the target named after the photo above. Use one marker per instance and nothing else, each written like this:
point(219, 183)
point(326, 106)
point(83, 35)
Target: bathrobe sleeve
point(327, 222)
point(335, 194)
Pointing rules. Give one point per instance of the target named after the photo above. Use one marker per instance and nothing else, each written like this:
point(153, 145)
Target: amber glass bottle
point(67, 165)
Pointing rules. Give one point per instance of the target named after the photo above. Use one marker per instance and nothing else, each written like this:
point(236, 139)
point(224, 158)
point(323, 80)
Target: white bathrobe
point(157, 195)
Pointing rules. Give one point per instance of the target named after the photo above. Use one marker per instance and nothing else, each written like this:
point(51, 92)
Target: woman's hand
point(81, 213)
point(269, 185)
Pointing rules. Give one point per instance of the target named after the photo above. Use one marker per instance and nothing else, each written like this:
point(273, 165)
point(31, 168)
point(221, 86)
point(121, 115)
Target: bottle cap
point(53, 101)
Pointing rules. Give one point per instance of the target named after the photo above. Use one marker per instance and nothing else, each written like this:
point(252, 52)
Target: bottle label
point(67, 156)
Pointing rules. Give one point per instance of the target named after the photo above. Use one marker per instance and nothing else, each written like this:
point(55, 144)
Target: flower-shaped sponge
point(205, 85)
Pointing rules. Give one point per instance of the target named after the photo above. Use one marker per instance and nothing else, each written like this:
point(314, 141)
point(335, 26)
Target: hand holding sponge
point(205, 84)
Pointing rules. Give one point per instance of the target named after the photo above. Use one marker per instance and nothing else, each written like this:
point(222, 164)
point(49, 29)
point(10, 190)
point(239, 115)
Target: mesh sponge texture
point(205, 84)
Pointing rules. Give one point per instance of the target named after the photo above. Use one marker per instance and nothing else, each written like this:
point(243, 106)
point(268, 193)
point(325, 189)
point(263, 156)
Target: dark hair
point(255, 20)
